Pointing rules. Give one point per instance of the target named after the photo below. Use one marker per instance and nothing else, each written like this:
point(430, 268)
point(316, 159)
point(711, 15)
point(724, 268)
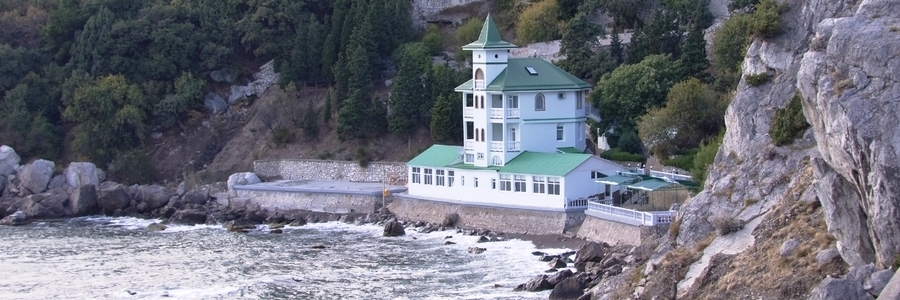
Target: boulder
point(35, 177)
point(877, 281)
point(861, 273)
point(568, 289)
point(155, 196)
point(189, 216)
point(58, 181)
point(298, 222)
point(214, 103)
point(9, 160)
point(892, 289)
point(239, 92)
point(156, 227)
point(48, 205)
point(82, 173)
point(199, 197)
point(15, 219)
point(450, 220)
point(244, 178)
point(83, 201)
point(238, 225)
point(2, 185)
point(276, 231)
point(477, 250)
point(557, 263)
point(449, 243)
point(588, 252)
point(560, 276)
point(538, 283)
point(789, 247)
point(827, 256)
point(839, 289)
point(112, 196)
point(393, 228)
point(483, 239)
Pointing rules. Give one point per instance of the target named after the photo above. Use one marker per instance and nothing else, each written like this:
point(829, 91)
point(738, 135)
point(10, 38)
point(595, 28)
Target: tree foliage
point(584, 58)
point(692, 113)
point(630, 90)
point(537, 23)
point(789, 122)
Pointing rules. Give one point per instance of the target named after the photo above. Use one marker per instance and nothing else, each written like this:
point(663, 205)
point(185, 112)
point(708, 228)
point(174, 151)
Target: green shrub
point(789, 122)
point(619, 155)
point(282, 136)
point(766, 19)
point(629, 142)
point(537, 23)
point(363, 157)
point(684, 162)
point(705, 157)
point(132, 167)
point(728, 48)
point(433, 39)
point(757, 79)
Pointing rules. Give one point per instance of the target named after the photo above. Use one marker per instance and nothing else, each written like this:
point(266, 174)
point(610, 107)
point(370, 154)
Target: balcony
point(496, 146)
point(513, 146)
point(469, 112)
point(469, 144)
point(479, 84)
point(499, 113)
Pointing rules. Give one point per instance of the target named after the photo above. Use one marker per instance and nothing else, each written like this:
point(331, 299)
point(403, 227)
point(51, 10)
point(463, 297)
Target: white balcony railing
point(496, 113)
point(479, 84)
point(469, 112)
point(469, 144)
point(629, 216)
point(513, 146)
point(512, 113)
point(496, 146)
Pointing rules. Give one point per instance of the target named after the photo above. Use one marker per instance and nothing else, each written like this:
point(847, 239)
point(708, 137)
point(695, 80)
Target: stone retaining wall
point(424, 10)
point(506, 220)
point(612, 232)
point(313, 169)
point(338, 203)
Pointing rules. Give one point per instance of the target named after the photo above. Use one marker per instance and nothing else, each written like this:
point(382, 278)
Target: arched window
point(479, 74)
point(496, 161)
point(479, 79)
point(539, 103)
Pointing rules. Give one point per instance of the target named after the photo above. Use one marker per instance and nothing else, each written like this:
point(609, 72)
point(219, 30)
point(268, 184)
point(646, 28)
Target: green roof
point(466, 86)
point(570, 150)
point(540, 163)
point(617, 180)
point(436, 156)
point(489, 38)
point(517, 78)
point(649, 185)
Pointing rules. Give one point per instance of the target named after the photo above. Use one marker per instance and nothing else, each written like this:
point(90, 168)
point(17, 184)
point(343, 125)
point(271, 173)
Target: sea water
point(102, 257)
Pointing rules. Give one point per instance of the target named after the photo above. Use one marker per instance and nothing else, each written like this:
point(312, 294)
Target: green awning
point(617, 180)
point(649, 185)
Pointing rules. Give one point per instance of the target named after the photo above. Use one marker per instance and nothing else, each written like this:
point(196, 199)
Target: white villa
point(524, 129)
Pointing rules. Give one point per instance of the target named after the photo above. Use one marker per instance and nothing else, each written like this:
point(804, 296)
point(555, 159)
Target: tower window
point(531, 70)
point(560, 132)
point(539, 102)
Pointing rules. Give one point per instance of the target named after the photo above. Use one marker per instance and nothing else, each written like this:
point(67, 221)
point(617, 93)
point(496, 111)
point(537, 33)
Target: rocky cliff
point(844, 59)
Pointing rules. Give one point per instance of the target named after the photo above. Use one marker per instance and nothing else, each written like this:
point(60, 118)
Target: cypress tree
point(443, 127)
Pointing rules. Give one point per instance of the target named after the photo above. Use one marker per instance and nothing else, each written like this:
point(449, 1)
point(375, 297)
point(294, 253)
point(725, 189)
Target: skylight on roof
point(531, 70)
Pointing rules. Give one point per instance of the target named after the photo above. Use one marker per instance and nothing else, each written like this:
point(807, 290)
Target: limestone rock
point(9, 160)
point(15, 219)
point(568, 289)
point(537, 284)
point(557, 263)
point(35, 177)
point(199, 197)
point(839, 289)
point(789, 247)
point(156, 227)
point(476, 250)
point(393, 228)
point(827, 256)
point(861, 273)
point(83, 200)
point(112, 196)
point(47, 205)
point(81, 173)
point(450, 220)
point(877, 281)
point(2, 185)
point(244, 178)
point(155, 196)
point(856, 66)
point(588, 252)
point(58, 181)
point(892, 289)
point(214, 103)
point(239, 92)
point(559, 276)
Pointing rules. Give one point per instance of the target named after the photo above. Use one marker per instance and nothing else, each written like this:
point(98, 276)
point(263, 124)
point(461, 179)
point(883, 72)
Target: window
point(439, 177)
point(512, 134)
point(579, 102)
point(493, 184)
point(482, 135)
point(553, 185)
point(476, 181)
point(469, 101)
point(531, 70)
point(480, 156)
point(470, 130)
point(560, 132)
point(450, 178)
point(505, 182)
point(519, 183)
point(540, 184)
point(597, 174)
point(482, 101)
point(428, 176)
point(512, 101)
point(539, 102)
point(416, 175)
point(470, 157)
point(462, 180)
point(496, 161)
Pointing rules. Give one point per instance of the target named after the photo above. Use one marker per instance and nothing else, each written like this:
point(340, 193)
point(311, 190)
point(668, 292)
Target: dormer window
point(531, 70)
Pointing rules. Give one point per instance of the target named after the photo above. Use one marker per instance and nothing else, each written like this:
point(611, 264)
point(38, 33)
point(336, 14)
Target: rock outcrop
point(244, 178)
point(83, 201)
point(9, 160)
point(850, 89)
point(34, 177)
point(15, 219)
point(79, 174)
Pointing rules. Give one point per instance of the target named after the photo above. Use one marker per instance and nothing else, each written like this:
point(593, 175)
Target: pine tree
point(352, 117)
point(408, 90)
point(310, 122)
point(443, 127)
point(660, 36)
point(377, 118)
point(615, 47)
point(693, 54)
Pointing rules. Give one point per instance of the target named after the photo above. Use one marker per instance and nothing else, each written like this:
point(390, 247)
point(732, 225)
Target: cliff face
point(844, 58)
point(852, 100)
